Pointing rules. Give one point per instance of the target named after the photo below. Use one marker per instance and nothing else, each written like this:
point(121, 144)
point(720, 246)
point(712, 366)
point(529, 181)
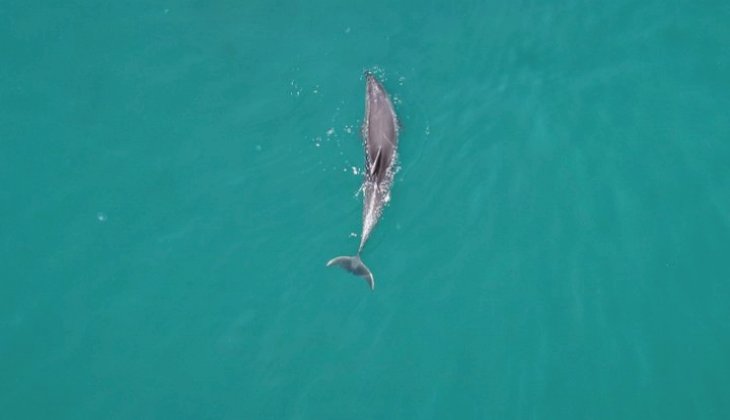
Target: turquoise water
point(176, 174)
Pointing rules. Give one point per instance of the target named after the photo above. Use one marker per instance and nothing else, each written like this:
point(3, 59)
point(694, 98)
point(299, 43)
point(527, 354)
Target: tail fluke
point(355, 266)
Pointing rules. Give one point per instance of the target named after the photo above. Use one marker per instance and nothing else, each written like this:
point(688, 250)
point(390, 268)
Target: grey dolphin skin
point(380, 135)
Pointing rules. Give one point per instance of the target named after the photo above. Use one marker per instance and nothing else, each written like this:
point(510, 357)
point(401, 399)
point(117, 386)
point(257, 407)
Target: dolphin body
point(380, 136)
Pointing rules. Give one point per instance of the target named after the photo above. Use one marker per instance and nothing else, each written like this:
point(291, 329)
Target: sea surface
point(175, 175)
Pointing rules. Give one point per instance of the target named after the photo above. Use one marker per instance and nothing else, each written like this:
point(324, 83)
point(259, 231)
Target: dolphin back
point(380, 130)
point(355, 266)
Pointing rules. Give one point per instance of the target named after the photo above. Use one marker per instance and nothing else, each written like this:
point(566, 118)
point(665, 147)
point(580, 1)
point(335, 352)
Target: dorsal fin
point(374, 166)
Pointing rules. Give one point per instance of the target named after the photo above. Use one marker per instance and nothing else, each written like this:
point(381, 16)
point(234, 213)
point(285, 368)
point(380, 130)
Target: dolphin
point(380, 137)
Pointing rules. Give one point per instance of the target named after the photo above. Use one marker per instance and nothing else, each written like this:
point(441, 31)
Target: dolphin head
point(374, 90)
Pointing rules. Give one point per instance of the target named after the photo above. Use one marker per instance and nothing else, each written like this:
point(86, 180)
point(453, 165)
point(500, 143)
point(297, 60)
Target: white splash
point(295, 90)
point(317, 141)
